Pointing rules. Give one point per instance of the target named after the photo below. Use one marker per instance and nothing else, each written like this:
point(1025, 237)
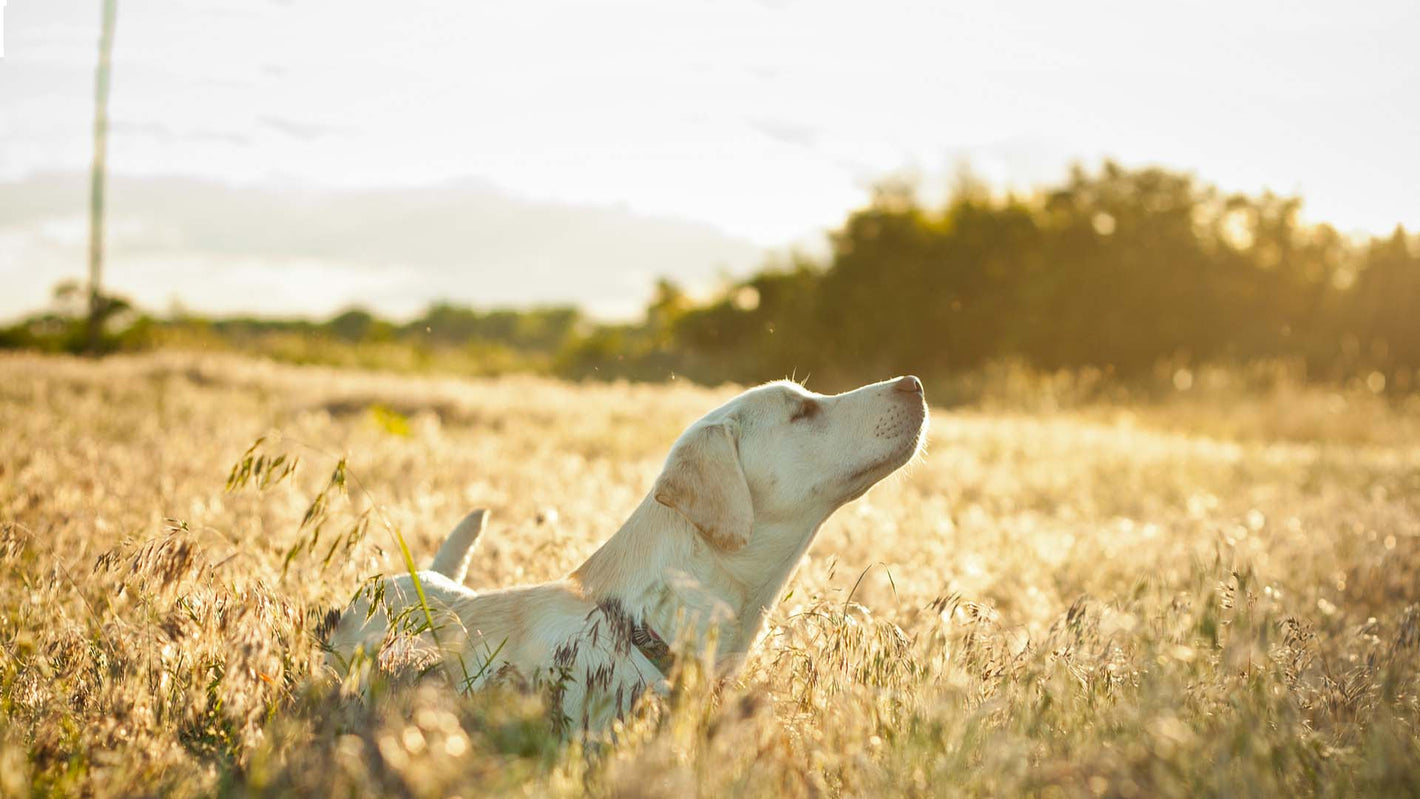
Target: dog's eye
point(807, 410)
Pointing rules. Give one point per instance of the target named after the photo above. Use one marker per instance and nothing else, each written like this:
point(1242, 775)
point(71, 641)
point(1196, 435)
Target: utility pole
point(96, 186)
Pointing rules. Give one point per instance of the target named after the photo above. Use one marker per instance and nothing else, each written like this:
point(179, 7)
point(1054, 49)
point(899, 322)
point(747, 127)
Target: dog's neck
point(663, 571)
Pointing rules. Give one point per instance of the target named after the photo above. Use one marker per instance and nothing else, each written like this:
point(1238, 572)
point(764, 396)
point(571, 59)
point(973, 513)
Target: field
point(1217, 595)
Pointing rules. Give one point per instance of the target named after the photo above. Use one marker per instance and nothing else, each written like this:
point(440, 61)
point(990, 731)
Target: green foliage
point(535, 330)
point(1119, 273)
point(64, 327)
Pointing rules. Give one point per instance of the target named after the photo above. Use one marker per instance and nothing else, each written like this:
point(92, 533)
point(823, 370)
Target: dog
point(700, 562)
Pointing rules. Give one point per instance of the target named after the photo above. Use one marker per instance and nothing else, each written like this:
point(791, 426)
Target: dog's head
point(780, 453)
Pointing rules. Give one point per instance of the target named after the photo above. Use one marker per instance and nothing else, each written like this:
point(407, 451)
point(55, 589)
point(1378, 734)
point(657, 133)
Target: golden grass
point(1181, 599)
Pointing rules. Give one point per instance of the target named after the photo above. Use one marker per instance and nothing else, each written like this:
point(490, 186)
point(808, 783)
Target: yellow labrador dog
point(702, 558)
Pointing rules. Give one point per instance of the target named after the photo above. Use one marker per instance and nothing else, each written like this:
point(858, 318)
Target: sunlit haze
point(297, 157)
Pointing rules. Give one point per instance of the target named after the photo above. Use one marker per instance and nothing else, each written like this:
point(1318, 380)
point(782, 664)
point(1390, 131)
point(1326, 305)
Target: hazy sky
point(682, 137)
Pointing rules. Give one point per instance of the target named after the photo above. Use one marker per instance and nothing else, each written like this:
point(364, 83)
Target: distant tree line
point(1118, 270)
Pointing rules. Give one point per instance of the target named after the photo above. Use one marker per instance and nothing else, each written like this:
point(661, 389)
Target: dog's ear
point(704, 482)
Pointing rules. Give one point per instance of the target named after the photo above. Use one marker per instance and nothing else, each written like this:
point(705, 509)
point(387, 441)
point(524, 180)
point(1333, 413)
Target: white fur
point(703, 557)
point(454, 556)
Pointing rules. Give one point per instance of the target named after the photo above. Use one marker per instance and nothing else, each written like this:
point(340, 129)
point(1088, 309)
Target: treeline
point(1118, 270)
point(446, 337)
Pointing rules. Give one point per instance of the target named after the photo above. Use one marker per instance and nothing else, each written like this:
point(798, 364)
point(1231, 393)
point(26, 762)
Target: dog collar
point(653, 646)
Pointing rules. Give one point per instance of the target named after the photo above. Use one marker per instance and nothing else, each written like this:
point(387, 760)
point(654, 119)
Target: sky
point(299, 156)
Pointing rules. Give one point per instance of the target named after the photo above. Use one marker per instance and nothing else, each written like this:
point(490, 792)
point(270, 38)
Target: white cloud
point(764, 120)
point(225, 249)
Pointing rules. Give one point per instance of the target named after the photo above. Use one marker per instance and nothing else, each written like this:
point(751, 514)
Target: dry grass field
point(1218, 596)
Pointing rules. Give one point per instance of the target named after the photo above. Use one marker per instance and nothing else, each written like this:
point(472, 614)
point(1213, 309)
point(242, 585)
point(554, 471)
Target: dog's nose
point(910, 384)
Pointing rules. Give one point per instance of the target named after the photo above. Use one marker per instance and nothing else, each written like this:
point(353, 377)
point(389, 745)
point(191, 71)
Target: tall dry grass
point(1194, 597)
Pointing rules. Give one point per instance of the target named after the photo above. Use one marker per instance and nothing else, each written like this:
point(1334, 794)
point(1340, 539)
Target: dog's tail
point(456, 553)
